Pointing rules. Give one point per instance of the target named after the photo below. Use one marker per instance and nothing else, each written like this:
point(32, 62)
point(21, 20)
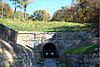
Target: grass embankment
point(42, 26)
point(82, 50)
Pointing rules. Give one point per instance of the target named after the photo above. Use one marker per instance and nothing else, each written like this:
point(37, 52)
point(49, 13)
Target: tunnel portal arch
point(49, 51)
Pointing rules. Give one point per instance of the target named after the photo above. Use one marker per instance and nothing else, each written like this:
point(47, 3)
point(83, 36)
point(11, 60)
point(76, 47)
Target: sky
point(49, 5)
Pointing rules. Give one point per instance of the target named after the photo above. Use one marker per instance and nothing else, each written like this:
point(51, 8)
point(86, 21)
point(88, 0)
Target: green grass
point(82, 50)
point(42, 26)
point(63, 65)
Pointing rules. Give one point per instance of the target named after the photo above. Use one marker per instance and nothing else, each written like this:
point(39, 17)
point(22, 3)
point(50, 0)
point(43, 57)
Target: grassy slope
point(42, 26)
point(82, 50)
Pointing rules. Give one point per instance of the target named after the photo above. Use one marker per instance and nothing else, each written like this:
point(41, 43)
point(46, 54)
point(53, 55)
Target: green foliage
point(42, 26)
point(20, 15)
point(41, 15)
point(63, 65)
point(7, 11)
point(65, 14)
point(58, 15)
point(15, 7)
point(82, 50)
point(82, 11)
point(24, 4)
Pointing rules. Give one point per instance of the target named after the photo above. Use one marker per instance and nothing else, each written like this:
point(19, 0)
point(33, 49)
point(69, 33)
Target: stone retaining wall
point(11, 53)
point(88, 60)
point(28, 45)
point(15, 55)
point(7, 34)
point(62, 40)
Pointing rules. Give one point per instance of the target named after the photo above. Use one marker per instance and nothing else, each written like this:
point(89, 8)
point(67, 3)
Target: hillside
point(42, 26)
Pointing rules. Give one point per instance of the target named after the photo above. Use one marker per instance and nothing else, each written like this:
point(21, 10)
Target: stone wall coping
point(35, 32)
point(48, 32)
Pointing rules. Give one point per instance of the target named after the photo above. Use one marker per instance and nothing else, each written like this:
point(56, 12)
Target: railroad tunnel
point(49, 51)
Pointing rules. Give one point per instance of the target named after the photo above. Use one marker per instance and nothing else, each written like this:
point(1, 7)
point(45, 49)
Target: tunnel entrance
point(49, 51)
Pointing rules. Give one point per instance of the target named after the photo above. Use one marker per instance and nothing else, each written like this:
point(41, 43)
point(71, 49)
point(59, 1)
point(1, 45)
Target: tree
point(70, 14)
point(7, 11)
point(41, 15)
point(16, 5)
point(2, 9)
point(89, 13)
point(24, 3)
point(65, 14)
point(58, 15)
point(86, 9)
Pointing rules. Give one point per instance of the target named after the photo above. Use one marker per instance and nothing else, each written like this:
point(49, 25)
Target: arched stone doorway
point(49, 51)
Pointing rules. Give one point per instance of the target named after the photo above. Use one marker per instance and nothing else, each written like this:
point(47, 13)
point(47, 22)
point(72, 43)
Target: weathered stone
point(81, 60)
point(12, 54)
point(28, 45)
point(62, 40)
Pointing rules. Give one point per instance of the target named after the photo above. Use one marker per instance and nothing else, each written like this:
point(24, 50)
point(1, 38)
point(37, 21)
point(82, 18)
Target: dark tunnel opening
point(49, 51)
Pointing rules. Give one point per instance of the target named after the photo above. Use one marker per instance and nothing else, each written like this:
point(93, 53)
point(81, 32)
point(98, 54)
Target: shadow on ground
point(67, 29)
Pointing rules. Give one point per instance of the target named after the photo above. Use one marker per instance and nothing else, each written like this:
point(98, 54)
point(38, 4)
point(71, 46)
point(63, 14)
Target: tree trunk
point(14, 16)
point(77, 13)
point(25, 12)
point(2, 13)
point(2, 16)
